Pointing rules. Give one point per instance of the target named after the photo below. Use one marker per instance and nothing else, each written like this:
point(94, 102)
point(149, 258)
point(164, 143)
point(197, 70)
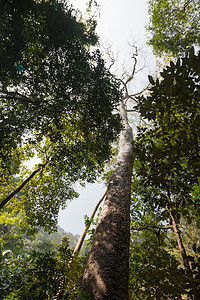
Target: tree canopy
point(173, 25)
point(58, 100)
point(173, 106)
point(167, 169)
point(169, 148)
point(56, 96)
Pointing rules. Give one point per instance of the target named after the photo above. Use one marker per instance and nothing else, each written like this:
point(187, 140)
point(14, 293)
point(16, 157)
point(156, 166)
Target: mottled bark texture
point(107, 268)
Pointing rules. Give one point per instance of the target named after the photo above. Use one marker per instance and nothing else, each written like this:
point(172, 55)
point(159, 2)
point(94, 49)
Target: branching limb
point(152, 226)
point(17, 190)
point(17, 96)
point(20, 97)
point(112, 57)
point(131, 76)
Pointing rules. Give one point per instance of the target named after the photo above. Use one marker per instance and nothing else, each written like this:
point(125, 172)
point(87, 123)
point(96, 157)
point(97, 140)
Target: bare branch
point(113, 57)
point(131, 76)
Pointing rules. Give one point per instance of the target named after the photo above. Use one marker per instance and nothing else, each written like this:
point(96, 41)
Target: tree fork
point(107, 268)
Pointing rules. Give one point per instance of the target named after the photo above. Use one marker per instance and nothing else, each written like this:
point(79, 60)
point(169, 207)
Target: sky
point(120, 23)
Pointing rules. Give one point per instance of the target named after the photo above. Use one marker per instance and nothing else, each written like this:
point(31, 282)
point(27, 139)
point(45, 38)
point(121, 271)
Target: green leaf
point(194, 247)
point(190, 258)
point(151, 80)
point(178, 63)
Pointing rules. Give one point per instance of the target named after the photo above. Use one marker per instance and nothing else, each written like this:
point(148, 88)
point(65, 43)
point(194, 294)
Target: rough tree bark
point(107, 267)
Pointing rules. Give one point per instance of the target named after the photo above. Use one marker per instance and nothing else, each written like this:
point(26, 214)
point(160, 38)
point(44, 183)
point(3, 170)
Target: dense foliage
point(173, 25)
point(156, 266)
point(57, 99)
point(167, 170)
point(41, 274)
point(173, 105)
point(154, 272)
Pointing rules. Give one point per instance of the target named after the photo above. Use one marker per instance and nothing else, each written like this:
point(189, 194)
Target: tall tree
point(168, 151)
point(107, 268)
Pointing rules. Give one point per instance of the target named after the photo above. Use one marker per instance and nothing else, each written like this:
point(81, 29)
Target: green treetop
point(56, 95)
point(173, 25)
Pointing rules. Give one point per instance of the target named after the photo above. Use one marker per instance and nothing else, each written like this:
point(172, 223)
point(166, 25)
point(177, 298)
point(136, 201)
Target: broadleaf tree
point(57, 96)
point(106, 272)
point(167, 153)
point(173, 25)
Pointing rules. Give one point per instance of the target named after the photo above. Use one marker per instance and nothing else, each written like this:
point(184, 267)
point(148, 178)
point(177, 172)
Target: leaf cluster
point(62, 80)
point(154, 272)
point(39, 275)
point(169, 149)
point(57, 97)
point(173, 25)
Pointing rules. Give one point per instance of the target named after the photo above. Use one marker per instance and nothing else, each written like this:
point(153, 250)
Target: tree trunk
point(182, 248)
point(107, 268)
point(178, 238)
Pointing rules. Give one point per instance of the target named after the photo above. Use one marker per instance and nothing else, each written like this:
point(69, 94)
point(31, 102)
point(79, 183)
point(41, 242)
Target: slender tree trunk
point(17, 190)
point(181, 247)
point(82, 237)
point(107, 268)
point(178, 238)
